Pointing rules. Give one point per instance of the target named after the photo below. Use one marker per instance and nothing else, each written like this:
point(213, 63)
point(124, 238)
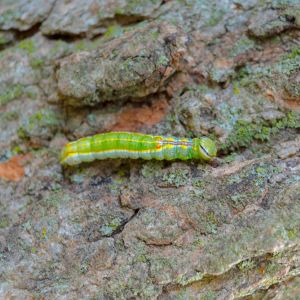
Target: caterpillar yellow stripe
point(136, 145)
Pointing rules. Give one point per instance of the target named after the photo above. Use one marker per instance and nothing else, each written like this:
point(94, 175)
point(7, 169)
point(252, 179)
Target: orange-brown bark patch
point(132, 119)
point(12, 169)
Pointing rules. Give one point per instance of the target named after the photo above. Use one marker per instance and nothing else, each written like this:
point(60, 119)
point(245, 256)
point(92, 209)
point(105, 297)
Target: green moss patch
point(4, 222)
point(244, 133)
point(42, 124)
point(113, 31)
point(176, 177)
point(10, 93)
point(28, 46)
point(243, 45)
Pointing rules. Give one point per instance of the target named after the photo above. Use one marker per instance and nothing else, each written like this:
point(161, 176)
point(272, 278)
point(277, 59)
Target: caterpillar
point(136, 145)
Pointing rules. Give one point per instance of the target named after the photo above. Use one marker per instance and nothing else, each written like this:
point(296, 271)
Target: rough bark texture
point(133, 66)
point(121, 229)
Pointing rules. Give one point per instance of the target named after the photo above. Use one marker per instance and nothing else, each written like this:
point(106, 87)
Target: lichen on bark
point(133, 229)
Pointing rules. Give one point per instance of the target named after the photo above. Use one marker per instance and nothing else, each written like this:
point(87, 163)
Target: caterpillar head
point(207, 148)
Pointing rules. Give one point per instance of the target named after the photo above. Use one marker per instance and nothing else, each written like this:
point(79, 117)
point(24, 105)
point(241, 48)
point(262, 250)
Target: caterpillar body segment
point(136, 145)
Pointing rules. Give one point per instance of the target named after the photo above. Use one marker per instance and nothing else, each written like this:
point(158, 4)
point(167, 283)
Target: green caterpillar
point(136, 145)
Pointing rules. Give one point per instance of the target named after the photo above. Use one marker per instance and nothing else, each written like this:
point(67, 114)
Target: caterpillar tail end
point(63, 156)
point(66, 156)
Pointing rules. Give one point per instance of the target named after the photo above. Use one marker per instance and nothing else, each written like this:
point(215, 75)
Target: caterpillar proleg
point(136, 145)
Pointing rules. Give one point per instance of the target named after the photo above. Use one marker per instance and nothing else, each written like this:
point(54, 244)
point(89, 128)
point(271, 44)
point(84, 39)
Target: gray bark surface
point(133, 229)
